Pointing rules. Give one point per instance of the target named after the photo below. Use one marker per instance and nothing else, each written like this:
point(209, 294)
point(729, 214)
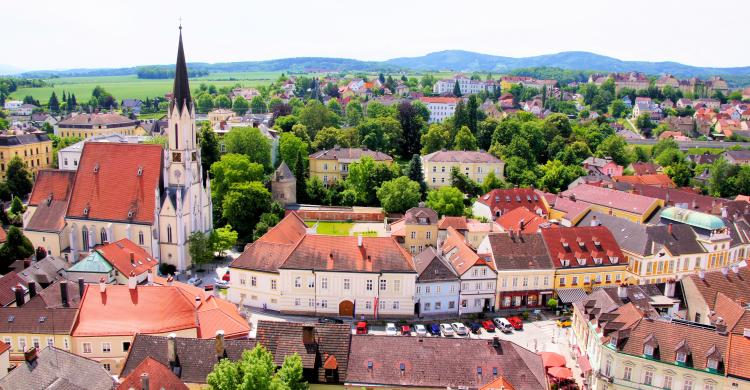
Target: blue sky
point(53, 34)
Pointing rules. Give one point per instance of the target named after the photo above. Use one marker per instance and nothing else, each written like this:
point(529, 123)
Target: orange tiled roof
point(464, 256)
point(108, 186)
point(159, 377)
point(458, 223)
point(127, 257)
point(505, 200)
point(377, 254)
point(584, 243)
point(269, 252)
point(656, 179)
point(55, 182)
point(531, 221)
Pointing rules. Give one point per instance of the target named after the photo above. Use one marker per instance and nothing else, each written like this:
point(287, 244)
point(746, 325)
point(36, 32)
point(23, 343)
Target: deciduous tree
point(398, 195)
point(250, 142)
point(446, 201)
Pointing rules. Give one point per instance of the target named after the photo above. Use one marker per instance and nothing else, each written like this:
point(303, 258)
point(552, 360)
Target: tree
point(209, 147)
point(240, 105)
point(290, 148)
point(222, 101)
point(16, 207)
point(315, 191)
point(456, 89)
point(243, 204)
point(680, 173)
point(54, 104)
point(205, 103)
point(491, 181)
point(15, 248)
point(291, 373)
point(464, 184)
point(300, 173)
point(381, 134)
point(232, 169)
point(18, 178)
point(644, 121)
point(255, 370)
point(328, 137)
point(446, 201)
point(436, 138)
point(200, 248)
point(366, 175)
point(398, 195)
point(316, 116)
point(719, 184)
point(465, 140)
point(618, 108)
point(616, 147)
point(250, 142)
point(411, 126)
point(414, 172)
point(556, 176)
point(472, 110)
point(574, 153)
point(258, 105)
point(354, 113)
point(223, 238)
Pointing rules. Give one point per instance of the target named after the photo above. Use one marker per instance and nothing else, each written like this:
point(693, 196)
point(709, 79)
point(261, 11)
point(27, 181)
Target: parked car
point(330, 320)
point(446, 330)
point(221, 284)
point(475, 327)
point(564, 322)
point(434, 329)
point(405, 330)
point(488, 325)
point(460, 329)
point(361, 327)
point(516, 322)
point(195, 281)
point(503, 324)
point(208, 287)
point(420, 330)
point(390, 329)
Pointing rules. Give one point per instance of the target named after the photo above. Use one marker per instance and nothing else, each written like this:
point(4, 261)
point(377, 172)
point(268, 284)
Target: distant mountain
point(459, 60)
point(448, 60)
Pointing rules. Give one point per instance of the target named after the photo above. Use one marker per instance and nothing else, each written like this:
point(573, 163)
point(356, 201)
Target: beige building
point(44, 219)
point(88, 125)
point(437, 166)
point(34, 149)
point(330, 165)
point(284, 185)
point(417, 230)
point(220, 115)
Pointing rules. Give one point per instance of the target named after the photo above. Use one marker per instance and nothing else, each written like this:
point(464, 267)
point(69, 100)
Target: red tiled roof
point(7, 284)
point(644, 168)
point(531, 221)
point(108, 185)
point(159, 377)
point(338, 253)
point(656, 179)
point(119, 255)
point(462, 256)
point(631, 203)
point(734, 286)
point(269, 252)
point(55, 182)
point(458, 223)
point(584, 243)
point(3, 347)
point(505, 200)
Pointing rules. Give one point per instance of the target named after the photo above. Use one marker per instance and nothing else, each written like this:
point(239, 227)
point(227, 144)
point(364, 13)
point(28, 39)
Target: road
point(684, 145)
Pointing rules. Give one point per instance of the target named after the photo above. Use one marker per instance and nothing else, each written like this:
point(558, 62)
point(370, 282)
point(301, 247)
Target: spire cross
point(180, 22)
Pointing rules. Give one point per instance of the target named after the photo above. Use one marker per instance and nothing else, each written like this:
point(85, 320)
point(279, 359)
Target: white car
point(446, 329)
point(503, 325)
point(221, 283)
point(460, 329)
point(420, 330)
point(195, 281)
point(390, 329)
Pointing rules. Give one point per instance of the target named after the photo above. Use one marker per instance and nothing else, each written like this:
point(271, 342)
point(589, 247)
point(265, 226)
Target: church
point(152, 195)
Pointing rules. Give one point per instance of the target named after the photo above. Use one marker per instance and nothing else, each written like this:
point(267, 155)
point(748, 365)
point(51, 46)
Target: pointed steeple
point(181, 88)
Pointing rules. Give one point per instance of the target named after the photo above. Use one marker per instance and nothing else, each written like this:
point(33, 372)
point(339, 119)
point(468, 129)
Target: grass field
point(338, 229)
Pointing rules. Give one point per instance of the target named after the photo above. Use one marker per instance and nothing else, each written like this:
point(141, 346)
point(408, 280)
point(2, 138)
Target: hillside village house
point(330, 165)
point(153, 196)
point(525, 273)
point(476, 272)
point(34, 149)
point(438, 284)
point(292, 271)
point(437, 166)
point(89, 125)
point(499, 202)
point(417, 230)
point(440, 108)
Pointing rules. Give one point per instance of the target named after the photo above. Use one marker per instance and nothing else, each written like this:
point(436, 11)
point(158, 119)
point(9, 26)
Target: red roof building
point(151, 374)
point(656, 179)
point(498, 202)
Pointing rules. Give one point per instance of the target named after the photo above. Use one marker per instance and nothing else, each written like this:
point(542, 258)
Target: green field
point(338, 228)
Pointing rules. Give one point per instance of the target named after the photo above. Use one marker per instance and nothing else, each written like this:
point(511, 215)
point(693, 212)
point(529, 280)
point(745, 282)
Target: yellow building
point(88, 125)
point(417, 230)
point(220, 115)
point(25, 327)
point(330, 165)
point(437, 166)
point(637, 208)
point(35, 149)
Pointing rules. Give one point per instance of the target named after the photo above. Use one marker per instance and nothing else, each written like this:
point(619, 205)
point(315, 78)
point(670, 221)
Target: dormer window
point(96, 168)
point(564, 244)
point(86, 210)
point(581, 260)
point(614, 259)
point(648, 350)
point(597, 260)
point(712, 364)
point(565, 263)
point(581, 243)
point(613, 342)
point(681, 357)
point(422, 220)
point(140, 171)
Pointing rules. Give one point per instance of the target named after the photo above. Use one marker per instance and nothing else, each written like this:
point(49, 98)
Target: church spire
point(181, 88)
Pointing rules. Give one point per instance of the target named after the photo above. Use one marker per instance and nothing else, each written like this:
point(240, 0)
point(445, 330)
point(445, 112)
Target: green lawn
point(333, 228)
point(703, 150)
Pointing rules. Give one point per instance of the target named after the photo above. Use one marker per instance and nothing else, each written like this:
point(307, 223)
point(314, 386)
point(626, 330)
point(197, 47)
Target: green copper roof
point(693, 218)
point(93, 263)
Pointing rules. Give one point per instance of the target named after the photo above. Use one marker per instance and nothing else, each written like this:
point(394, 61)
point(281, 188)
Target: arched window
point(140, 237)
point(85, 238)
point(169, 234)
point(176, 137)
point(103, 236)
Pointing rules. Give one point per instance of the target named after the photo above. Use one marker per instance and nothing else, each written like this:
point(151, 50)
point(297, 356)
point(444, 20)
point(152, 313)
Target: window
point(253, 281)
point(427, 289)
point(536, 280)
point(608, 367)
point(311, 302)
point(22, 344)
point(648, 350)
point(106, 347)
point(451, 305)
point(396, 305)
point(428, 235)
point(648, 377)
point(713, 364)
point(368, 305)
point(86, 347)
point(438, 305)
point(107, 367)
point(562, 281)
point(525, 281)
point(35, 342)
point(368, 285)
point(140, 238)
point(627, 373)
point(687, 384)
point(475, 272)
point(324, 303)
point(419, 289)
point(413, 235)
point(66, 344)
point(273, 284)
point(311, 283)
point(505, 282)
point(667, 382)
point(85, 235)
point(681, 357)
point(413, 249)
point(608, 278)
point(243, 280)
point(50, 342)
point(709, 386)
point(397, 286)
point(324, 283)
point(297, 302)
point(382, 305)
point(169, 234)
point(574, 282)
point(464, 303)
point(125, 346)
point(426, 306)
point(586, 279)
point(298, 282)
point(484, 271)
point(515, 281)
point(383, 284)
point(347, 284)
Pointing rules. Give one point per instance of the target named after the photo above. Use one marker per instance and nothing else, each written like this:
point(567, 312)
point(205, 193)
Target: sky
point(54, 34)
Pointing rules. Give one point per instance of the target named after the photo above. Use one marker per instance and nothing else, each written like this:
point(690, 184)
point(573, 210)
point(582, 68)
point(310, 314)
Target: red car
point(488, 325)
point(516, 322)
point(405, 330)
point(362, 327)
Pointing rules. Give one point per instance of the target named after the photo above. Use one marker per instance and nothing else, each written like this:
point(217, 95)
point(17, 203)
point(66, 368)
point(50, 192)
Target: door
point(346, 309)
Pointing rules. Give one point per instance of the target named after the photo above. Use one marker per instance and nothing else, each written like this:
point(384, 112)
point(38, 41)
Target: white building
point(68, 158)
point(477, 274)
point(438, 284)
point(13, 105)
point(467, 86)
point(440, 107)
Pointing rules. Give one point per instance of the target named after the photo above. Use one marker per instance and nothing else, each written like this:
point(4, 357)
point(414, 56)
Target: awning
point(583, 362)
point(570, 295)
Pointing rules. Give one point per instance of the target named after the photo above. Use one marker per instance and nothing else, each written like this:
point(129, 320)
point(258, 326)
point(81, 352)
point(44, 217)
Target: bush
point(167, 269)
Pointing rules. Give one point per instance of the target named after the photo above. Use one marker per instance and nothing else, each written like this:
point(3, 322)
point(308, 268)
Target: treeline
point(9, 85)
point(157, 72)
point(564, 76)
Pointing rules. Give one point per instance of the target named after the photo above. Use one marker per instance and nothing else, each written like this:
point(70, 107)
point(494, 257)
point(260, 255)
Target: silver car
point(460, 329)
point(446, 330)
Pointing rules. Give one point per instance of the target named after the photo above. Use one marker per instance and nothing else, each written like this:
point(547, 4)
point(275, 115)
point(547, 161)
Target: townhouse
point(474, 230)
point(525, 273)
point(436, 166)
point(330, 165)
point(34, 149)
point(476, 272)
point(438, 284)
point(499, 202)
point(702, 291)
point(417, 230)
point(440, 108)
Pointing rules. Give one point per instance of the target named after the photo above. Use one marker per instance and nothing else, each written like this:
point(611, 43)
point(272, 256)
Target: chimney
point(220, 351)
point(171, 352)
point(724, 212)
point(721, 326)
point(64, 292)
point(359, 240)
point(150, 277)
point(170, 279)
point(29, 355)
point(144, 381)
point(32, 290)
point(102, 285)
point(20, 295)
point(669, 228)
point(132, 281)
point(197, 300)
point(132, 259)
point(308, 335)
point(622, 291)
point(81, 286)
point(669, 288)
